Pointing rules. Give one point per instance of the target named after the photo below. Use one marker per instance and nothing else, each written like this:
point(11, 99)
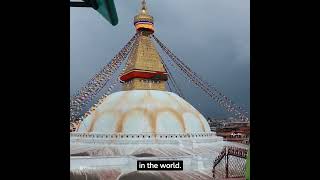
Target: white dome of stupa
point(144, 111)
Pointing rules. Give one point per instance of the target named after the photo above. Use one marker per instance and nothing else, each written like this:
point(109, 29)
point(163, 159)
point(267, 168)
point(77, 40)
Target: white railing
point(141, 135)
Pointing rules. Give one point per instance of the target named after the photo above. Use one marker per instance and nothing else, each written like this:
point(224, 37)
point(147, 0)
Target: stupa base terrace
point(115, 156)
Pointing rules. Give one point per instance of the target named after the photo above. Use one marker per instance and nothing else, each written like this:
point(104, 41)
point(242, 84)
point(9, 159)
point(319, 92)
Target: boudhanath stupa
point(144, 121)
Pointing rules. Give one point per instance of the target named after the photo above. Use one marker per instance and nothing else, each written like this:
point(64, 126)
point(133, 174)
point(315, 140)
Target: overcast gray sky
point(211, 36)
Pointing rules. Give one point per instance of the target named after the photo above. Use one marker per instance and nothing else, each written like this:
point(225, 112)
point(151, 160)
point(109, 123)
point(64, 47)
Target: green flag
point(108, 10)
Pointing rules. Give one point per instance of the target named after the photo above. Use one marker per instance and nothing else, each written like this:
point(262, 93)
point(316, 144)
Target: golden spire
point(144, 7)
point(145, 70)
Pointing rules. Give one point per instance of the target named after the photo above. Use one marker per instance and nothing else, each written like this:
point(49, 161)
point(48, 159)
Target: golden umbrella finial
point(144, 6)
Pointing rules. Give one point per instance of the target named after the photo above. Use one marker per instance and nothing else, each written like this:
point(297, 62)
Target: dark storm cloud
point(211, 36)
